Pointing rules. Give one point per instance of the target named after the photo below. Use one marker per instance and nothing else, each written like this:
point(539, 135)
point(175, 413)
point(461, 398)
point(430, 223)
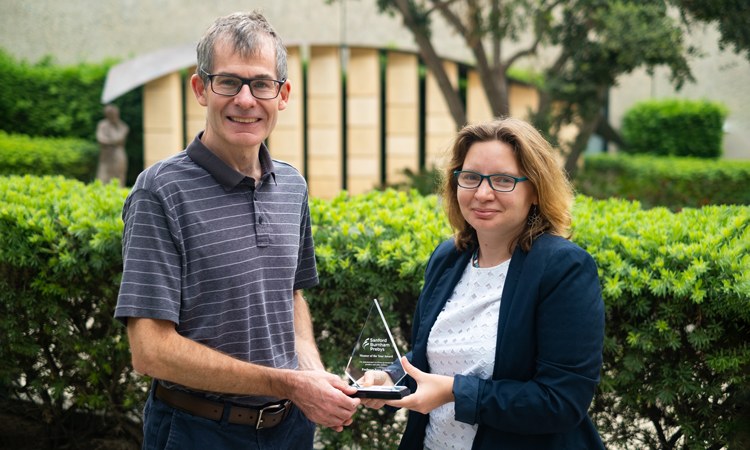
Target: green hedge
point(44, 99)
point(60, 266)
point(673, 182)
point(49, 100)
point(69, 157)
point(675, 127)
point(676, 288)
point(662, 274)
point(677, 343)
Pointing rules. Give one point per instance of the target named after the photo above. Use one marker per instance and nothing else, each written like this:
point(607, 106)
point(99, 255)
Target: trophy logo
point(376, 350)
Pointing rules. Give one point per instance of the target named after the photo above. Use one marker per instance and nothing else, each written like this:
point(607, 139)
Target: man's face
point(239, 123)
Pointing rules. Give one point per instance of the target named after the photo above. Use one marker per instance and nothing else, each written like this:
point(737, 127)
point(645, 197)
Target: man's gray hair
point(246, 33)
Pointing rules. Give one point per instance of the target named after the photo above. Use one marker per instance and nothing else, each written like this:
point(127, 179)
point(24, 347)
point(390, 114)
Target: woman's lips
point(485, 212)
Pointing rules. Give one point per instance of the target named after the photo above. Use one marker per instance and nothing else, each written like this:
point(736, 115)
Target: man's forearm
point(304, 337)
point(158, 351)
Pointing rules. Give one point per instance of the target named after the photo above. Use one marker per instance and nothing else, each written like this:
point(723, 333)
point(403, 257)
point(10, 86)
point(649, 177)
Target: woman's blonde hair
point(537, 162)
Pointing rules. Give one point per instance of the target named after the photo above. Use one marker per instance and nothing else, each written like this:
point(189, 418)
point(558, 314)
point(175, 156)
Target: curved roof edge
point(130, 74)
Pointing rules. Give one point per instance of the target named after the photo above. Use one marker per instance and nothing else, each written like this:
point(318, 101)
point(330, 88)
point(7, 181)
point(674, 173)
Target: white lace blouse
point(463, 341)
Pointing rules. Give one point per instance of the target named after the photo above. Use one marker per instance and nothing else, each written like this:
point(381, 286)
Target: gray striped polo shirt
point(205, 247)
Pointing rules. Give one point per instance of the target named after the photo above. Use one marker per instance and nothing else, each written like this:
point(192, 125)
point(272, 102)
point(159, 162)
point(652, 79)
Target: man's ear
point(199, 89)
point(286, 88)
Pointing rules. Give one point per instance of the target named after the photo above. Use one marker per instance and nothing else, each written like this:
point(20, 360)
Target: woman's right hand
point(374, 378)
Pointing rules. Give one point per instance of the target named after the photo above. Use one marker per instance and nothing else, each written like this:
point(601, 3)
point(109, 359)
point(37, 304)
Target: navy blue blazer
point(549, 350)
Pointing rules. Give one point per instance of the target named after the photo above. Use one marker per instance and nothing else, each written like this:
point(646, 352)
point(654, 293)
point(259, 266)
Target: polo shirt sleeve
point(150, 286)
point(306, 275)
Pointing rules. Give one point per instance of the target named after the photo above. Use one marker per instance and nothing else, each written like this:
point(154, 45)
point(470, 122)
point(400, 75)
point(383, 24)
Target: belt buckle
point(260, 413)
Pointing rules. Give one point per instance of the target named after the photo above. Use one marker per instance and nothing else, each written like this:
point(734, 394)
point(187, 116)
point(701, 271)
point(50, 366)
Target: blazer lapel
point(443, 290)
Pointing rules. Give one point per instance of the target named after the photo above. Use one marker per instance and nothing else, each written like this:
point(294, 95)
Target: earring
point(534, 218)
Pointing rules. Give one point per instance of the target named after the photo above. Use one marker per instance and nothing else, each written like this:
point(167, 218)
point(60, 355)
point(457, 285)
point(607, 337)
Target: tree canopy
point(595, 41)
point(731, 16)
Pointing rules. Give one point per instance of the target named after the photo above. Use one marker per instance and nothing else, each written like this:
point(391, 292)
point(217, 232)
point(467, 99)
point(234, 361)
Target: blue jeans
point(166, 428)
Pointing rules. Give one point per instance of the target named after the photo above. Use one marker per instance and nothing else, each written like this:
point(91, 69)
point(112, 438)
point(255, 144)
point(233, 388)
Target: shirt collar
point(226, 176)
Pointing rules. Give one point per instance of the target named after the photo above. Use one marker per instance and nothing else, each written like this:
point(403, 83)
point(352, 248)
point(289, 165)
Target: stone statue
point(111, 133)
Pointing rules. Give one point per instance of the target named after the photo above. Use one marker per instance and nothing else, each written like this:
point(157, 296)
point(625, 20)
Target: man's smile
point(242, 120)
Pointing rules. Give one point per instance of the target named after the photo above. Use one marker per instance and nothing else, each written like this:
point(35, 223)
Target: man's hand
point(323, 398)
point(319, 394)
point(432, 392)
point(374, 378)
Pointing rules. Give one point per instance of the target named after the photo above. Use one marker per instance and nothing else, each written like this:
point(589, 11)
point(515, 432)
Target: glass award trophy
point(375, 350)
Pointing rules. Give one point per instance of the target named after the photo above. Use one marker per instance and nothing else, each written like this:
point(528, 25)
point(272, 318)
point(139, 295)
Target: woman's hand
point(432, 392)
point(374, 378)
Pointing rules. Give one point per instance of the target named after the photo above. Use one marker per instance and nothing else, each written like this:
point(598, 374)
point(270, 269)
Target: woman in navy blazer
point(508, 199)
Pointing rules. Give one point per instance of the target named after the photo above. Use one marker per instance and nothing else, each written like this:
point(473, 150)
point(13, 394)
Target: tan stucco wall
point(162, 118)
point(91, 30)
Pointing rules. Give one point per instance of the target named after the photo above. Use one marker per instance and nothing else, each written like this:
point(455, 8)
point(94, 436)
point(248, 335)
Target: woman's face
point(495, 215)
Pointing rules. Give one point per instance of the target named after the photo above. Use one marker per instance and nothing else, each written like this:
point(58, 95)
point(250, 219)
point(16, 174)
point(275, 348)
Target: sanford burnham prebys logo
point(376, 344)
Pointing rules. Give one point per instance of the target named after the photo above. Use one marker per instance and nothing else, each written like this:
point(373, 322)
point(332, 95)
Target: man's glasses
point(229, 85)
point(499, 182)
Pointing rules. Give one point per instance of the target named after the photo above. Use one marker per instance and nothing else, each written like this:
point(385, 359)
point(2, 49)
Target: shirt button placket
point(261, 227)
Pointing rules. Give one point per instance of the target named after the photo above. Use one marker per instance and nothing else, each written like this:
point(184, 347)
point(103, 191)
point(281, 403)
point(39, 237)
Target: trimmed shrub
point(676, 289)
point(675, 127)
point(672, 182)
point(43, 99)
point(48, 100)
point(69, 157)
point(60, 266)
point(677, 343)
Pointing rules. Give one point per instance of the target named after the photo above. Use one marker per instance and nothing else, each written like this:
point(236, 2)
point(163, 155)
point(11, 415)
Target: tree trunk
point(435, 64)
point(606, 131)
point(584, 133)
point(501, 106)
point(540, 118)
point(495, 87)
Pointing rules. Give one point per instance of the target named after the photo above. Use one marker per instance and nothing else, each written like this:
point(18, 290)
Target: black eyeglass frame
point(516, 180)
point(243, 81)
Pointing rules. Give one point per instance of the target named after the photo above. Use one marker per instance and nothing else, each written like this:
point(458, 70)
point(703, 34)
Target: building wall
point(162, 118)
point(314, 142)
point(440, 128)
point(363, 121)
point(324, 152)
point(91, 30)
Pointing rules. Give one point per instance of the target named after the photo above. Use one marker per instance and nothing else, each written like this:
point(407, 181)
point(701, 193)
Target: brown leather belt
point(266, 416)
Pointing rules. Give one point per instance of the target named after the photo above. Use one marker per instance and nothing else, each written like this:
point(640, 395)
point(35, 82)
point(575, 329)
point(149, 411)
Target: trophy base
point(382, 392)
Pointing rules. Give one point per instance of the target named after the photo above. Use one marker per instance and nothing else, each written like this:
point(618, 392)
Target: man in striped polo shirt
point(217, 247)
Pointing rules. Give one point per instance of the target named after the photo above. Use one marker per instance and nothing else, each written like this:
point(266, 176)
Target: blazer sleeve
point(564, 362)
